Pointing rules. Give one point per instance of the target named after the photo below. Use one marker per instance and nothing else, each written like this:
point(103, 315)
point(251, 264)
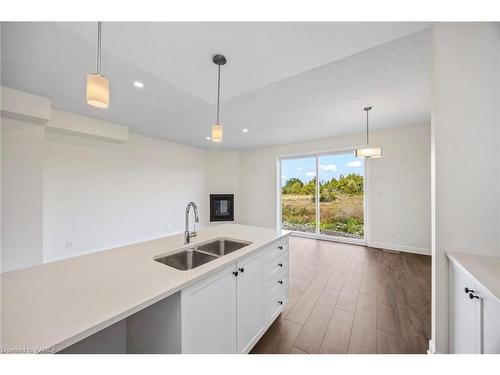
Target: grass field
point(341, 217)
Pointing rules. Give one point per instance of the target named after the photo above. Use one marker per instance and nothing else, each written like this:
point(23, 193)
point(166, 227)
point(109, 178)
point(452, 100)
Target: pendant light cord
point(99, 27)
point(218, 93)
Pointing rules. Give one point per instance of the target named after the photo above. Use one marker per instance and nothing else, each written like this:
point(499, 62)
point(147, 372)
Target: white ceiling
point(285, 82)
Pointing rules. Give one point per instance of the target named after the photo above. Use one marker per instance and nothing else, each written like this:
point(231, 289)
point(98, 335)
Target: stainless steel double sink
point(195, 256)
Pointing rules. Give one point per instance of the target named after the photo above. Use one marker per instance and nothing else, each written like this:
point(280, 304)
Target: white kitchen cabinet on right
point(490, 321)
point(474, 315)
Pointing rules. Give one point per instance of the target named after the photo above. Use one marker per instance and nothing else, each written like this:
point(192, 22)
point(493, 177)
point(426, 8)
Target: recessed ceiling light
point(245, 130)
point(208, 138)
point(138, 84)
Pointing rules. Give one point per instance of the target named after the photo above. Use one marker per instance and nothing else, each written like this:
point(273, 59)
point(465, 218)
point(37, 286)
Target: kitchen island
point(90, 299)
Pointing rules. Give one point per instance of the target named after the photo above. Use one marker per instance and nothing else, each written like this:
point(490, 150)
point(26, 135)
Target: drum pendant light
point(217, 129)
point(97, 85)
point(368, 152)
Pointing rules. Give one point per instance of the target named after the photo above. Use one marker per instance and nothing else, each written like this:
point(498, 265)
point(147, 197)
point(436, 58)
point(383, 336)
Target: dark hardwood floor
point(352, 299)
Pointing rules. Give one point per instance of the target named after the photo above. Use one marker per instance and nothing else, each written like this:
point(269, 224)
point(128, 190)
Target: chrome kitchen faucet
point(187, 233)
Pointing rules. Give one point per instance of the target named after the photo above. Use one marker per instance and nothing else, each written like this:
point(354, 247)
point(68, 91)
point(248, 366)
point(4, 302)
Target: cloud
point(328, 167)
point(354, 164)
point(299, 168)
point(283, 177)
point(310, 174)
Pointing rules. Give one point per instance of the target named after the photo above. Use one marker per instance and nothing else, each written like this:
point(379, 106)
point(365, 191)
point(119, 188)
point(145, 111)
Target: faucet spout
point(187, 234)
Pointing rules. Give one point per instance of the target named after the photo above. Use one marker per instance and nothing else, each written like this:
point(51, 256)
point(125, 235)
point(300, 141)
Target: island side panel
point(156, 329)
point(111, 340)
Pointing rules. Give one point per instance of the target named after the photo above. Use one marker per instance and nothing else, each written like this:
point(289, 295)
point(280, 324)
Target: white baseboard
point(353, 241)
point(377, 245)
point(403, 248)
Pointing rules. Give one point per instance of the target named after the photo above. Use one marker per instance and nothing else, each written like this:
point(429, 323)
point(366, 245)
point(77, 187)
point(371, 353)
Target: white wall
point(221, 177)
point(65, 195)
point(465, 138)
point(399, 190)
point(398, 185)
point(258, 176)
point(98, 194)
point(22, 194)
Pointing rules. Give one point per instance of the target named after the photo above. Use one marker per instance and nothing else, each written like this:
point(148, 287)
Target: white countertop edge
point(450, 255)
point(125, 314)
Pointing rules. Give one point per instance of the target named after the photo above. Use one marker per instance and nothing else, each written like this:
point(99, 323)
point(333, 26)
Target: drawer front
point(277, 249)
point(277, 266)
point(276, 306)
point(278, 285)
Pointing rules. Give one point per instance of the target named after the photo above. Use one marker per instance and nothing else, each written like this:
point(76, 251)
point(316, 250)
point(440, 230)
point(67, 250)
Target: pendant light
point(368, 152)
point(97, 85)
point(217, 127)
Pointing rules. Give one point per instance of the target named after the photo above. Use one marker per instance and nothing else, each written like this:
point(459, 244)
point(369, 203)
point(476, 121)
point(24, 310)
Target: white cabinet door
point(208, 314)
point(490, 319)
point(251, 299)
point(466, 326)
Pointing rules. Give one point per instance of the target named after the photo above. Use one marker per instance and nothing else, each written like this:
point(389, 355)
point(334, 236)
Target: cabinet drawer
point(276, 305)
point(277, 249)
point(277, 285)
point(276, 267)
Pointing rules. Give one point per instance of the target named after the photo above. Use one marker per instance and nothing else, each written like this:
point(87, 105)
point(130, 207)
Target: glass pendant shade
point(217, 132)
point(368, 153)
point(97, 85)
point(97, 91)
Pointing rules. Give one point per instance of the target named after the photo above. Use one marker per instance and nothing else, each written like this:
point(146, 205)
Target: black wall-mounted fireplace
point(221, 207)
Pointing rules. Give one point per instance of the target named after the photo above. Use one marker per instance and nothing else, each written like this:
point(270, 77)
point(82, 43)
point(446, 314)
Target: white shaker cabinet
point(474, 314)
point(465, 323)
point(490, 321)
point(250, 300)
point(208, 314)
point(230, 311)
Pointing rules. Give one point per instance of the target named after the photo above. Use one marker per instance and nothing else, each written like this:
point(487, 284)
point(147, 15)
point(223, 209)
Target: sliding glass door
point(323, 195)
point(298, 192)
point(341, 200)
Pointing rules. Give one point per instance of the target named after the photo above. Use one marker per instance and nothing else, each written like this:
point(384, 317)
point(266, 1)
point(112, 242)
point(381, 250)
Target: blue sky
point(329, 166)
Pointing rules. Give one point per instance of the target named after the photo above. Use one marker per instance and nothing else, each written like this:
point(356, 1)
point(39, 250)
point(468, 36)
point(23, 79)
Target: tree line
point(351, 184)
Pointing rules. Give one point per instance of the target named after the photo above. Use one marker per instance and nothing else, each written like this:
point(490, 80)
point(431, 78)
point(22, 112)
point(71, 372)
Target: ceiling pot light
point(245, 130)
point(97, 84)
point(368, 152)
point(208, 138)
point(139, 84)
point(217, 129)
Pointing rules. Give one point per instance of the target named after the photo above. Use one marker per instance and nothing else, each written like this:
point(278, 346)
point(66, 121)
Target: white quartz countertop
point(54, 305)
point(485, 269)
